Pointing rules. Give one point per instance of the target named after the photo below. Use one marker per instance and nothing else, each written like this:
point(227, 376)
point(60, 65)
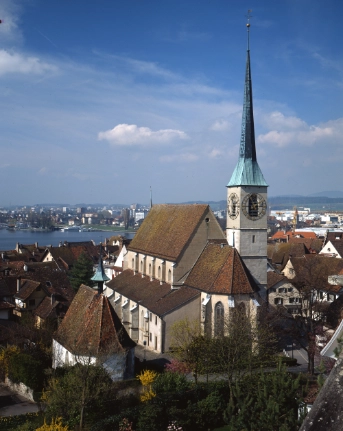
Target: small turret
point(100, 277)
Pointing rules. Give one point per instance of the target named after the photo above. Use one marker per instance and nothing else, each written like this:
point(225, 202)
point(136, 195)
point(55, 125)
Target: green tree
point(245, 344)
point(82, 272)
point(265, 401)
point(26, 369)
point(77, 393)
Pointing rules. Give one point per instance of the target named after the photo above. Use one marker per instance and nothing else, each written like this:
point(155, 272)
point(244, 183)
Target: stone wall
point(20, 389)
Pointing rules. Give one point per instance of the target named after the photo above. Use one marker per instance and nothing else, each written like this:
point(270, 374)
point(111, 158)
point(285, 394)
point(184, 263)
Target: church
point(181, 264)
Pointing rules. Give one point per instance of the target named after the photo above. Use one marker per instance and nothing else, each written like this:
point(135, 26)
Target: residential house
point(282, 293)
point(311, 274)
point(67, 253)
point(34, 287)
point(28, 296)
point(279, 253)
point(333, 248)
point(286, 236)
point(91, 332)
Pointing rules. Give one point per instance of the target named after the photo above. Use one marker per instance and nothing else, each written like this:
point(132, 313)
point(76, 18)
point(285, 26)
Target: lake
point(9, 238)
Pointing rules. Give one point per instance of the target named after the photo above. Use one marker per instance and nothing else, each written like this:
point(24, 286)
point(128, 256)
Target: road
point(12, 404)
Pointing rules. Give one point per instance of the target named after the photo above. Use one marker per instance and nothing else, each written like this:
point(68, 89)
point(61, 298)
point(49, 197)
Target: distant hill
point(329, 194)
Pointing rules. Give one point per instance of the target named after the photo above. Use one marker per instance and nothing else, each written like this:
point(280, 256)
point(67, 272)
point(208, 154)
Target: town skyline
point(101, 102)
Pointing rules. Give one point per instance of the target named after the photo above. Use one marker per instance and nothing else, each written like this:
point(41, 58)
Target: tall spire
point(247, 171)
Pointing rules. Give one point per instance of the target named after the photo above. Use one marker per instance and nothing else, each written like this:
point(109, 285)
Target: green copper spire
point(100, 277)
point(247, 171)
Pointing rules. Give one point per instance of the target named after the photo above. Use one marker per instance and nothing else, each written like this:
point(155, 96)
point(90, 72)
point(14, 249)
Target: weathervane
point(248, 27)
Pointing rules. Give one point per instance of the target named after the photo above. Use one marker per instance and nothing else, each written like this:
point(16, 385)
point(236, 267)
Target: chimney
point(26, 268)
point(18, 284)
point(36, 244)
point(53, 299)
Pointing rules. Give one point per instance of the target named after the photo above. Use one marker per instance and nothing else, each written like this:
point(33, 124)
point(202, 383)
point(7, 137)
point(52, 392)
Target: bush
point(23, 368)
point(27, 422)
point(56, 425)
point(289, 362)
point(5, 355)
point(170, 382)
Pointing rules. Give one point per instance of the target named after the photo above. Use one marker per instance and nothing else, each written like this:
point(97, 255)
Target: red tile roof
point(280, 253)
point(290, 234)
point(274, 278)
point(221, 270)
point(50, 309)
point(158, 298)
point(167, 229)
point(313, 270)
point(91, 326)
point(6, 305)
point(27, 287)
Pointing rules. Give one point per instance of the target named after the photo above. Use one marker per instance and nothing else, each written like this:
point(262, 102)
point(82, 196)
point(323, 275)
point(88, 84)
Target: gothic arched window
point(218, 319)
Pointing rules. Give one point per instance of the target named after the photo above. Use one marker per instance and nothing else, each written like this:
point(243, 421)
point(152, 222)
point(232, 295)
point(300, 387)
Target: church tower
point(247, 196)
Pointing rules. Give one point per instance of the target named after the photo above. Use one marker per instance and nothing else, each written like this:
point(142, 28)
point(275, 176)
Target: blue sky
point(102, 99)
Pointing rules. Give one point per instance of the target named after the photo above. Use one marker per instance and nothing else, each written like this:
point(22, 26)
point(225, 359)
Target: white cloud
point(185, 157)
point(277, 120)
point(9, 15)
point(130, 134)
point(214, 153)
point(306, 137)
point(18, 63)
point(220, 125)
point(293, 131)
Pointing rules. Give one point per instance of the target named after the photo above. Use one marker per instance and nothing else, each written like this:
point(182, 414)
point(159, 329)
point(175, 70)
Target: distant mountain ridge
point(327, 194)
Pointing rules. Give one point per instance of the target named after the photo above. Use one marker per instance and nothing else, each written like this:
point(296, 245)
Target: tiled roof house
point(40, 288)
point(333, 248)
point(92, 332)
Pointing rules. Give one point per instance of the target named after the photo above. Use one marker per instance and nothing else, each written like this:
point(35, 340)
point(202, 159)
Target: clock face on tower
point(233, 206)
point(254, 206)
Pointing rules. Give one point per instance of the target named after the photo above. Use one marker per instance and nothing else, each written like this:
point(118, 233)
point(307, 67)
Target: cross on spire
point(248, 27)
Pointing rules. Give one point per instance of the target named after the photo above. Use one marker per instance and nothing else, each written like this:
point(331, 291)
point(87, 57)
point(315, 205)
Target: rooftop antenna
point(248, 27)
